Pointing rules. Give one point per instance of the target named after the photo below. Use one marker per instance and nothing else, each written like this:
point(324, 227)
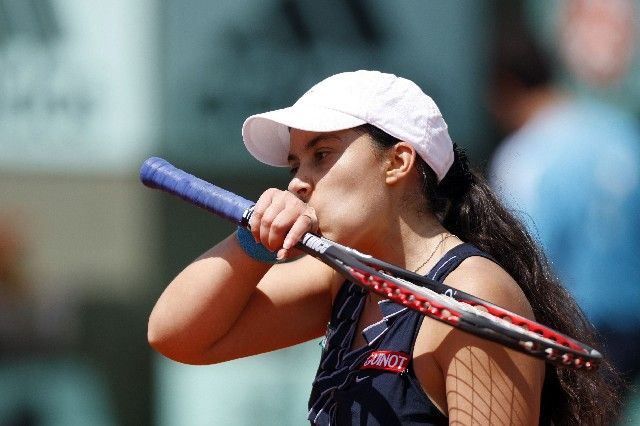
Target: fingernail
point(281, 254)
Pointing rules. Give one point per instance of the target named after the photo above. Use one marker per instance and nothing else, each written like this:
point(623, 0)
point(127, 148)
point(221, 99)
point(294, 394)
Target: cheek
point(350, 203)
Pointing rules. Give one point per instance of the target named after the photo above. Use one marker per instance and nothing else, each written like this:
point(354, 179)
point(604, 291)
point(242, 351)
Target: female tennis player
point(373, 167)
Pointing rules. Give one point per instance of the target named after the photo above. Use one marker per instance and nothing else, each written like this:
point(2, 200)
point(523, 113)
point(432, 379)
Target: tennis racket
point(432, 299)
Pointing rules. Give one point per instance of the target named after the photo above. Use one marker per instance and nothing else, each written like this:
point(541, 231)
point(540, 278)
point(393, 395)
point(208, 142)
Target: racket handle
point(160, 174)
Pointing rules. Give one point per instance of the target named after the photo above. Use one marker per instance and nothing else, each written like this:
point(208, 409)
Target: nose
point(301, 188)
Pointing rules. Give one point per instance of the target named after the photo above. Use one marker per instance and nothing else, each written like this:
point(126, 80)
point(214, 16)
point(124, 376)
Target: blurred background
point(89, 89)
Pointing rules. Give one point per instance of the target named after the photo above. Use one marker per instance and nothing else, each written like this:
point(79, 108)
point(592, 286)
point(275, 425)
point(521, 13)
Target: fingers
point(303, 224)
point(280, 219)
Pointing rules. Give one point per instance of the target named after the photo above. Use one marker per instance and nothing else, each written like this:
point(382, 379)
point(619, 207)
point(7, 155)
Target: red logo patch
point(386, 360)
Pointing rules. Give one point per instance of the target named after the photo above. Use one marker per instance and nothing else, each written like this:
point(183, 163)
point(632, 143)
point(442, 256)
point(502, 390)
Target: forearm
point(204, 301)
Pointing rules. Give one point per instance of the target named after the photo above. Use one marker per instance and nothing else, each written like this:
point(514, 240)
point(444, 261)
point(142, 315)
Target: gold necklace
point(433, 252)
point(426, 261)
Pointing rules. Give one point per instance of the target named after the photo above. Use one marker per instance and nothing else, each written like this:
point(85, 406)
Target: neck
point(409, 239)
point(423, 242)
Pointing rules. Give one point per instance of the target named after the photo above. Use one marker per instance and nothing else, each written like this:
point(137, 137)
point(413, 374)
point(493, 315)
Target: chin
point(332, 235)
point(343, 230)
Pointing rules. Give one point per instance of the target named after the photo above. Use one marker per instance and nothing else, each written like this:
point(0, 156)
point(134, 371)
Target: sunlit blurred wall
point(79, 111)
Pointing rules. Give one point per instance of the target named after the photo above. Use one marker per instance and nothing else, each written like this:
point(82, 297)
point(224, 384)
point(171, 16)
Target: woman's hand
point(280, 219)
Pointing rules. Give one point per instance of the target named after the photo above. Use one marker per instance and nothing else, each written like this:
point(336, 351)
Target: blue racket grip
point(158, 173)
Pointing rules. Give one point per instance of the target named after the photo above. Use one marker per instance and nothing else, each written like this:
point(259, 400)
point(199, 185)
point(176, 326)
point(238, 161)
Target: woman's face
point(342, 176)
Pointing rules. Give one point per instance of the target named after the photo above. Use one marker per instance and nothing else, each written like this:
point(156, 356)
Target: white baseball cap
point(347, 100)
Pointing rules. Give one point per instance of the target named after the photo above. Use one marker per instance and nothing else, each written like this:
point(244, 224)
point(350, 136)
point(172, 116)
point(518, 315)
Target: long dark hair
point(468, 208)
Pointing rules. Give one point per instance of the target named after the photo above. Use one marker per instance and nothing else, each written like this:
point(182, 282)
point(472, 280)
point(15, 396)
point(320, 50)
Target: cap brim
point(266, 135)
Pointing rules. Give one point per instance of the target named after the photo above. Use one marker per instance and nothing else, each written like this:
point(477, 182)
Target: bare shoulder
point(487, 280)
point(482, 278)
point(460, 372)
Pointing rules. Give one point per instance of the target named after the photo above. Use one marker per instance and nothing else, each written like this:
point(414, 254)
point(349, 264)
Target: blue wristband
point(255, 250)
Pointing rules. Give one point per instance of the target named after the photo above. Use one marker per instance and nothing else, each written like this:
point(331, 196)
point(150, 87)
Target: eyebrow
point(313, 142)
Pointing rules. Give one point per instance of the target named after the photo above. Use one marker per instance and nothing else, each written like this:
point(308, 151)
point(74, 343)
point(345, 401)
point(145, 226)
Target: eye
point(320, 155)
point(293, 170)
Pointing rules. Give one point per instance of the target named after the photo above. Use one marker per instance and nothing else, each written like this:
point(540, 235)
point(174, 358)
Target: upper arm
point(483, 381)
point(291, 304)
point(226, 305)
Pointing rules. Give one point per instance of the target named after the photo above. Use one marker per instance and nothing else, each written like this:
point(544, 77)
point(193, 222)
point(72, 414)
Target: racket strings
point(435, 306)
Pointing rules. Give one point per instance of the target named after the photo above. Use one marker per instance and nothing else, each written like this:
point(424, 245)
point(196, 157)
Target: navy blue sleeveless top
point(375, 384)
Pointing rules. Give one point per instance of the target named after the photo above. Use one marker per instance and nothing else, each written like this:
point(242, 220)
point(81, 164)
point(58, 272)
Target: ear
point(401, 158)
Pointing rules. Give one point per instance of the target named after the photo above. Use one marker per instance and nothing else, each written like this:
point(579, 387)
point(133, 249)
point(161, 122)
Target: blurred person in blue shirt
point(570, 166)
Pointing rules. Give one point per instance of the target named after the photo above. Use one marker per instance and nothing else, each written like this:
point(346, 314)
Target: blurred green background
point(89, 89)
